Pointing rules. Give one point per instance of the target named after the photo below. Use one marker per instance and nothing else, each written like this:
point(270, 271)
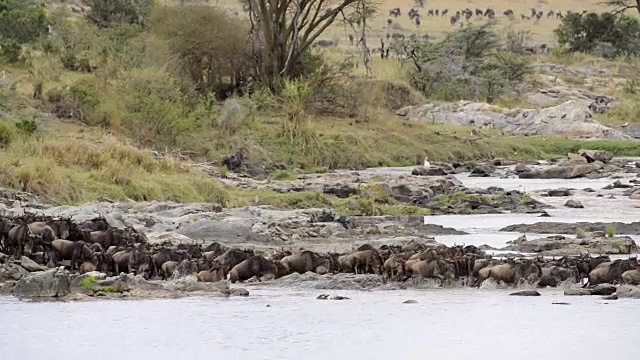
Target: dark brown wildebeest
point(76, 251)
point(256, 266)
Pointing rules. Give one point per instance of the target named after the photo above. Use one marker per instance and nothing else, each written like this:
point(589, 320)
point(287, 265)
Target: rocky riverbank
point(60, 284)
point(151, 234)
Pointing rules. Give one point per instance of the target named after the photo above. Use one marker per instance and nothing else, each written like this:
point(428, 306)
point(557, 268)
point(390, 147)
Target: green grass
point(610, 230)
point(284, 175)
point(90, 281)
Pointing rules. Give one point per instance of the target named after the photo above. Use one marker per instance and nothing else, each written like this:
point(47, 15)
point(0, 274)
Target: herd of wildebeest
point(95, 246)
point(467, 14)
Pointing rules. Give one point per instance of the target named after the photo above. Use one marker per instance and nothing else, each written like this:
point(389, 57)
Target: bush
point(10, 51)
point(6, 134)
point(607, 35)
point(108, 13)
point(467, 64)
point(580, 234)
point(610, 230)
point(27, 127)
point(151, 108)
point(212, 47)
point(21, 22)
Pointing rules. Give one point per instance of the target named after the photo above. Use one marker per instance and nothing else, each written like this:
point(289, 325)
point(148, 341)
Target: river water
point(459, 323)
point(444, 324)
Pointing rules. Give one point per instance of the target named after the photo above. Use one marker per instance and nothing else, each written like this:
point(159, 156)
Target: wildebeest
point(610, 272)
point(75, 251)
point(305, 261)
point(256, 266)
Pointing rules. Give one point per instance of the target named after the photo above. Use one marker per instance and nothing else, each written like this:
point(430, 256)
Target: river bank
point(482, 208)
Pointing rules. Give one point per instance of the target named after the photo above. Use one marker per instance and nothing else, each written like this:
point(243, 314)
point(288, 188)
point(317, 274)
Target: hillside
point(114, 116)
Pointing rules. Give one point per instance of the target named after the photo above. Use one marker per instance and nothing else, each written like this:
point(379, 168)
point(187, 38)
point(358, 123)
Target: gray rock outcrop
point(571, 119)
point(50, 283)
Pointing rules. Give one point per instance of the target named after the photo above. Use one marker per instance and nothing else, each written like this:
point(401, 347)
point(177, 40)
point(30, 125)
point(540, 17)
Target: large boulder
point(628, 291)
point(574, 204)
point(563, 172)
point(50, 283)
point(11, 272)
point(31, 265)
point(596, 155)
point(603, 289)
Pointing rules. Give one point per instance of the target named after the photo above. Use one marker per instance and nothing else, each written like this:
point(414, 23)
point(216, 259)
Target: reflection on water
point(444, 324)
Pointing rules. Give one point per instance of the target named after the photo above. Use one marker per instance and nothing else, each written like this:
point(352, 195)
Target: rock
point(619, 185)
point(11, 272)
point(632, 228)
point(560, 303)
point(238, 292)
point(576, 158)
point(596, 155)
point(50, 283)
point(628, 291)
point(569, 119)
point(589, 190)
point(409, 302)
point(577, 292)
point(521, 168)
point(482, 171)
point(31, 265)
point(559, 192)
point(431, 171)
point(603, 289)
point(562, 172)
point(634, 196)
point(525, 293)
point(574, 204)
point(610, 297)
point(333, 297)
point(342, 191)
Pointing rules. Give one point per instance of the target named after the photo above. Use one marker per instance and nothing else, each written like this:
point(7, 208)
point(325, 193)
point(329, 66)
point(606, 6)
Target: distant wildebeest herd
point(95, 246)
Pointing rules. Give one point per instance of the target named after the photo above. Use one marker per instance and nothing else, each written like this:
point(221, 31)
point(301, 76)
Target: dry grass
point(542, 31)
point(64, 166)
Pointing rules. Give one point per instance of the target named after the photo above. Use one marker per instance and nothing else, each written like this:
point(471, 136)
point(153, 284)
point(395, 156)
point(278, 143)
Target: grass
point(68, 164)
point(580, 234)
point(67, 167)
point(284, 175)
point(90, 281)
point(541, 31)
point(610, 230)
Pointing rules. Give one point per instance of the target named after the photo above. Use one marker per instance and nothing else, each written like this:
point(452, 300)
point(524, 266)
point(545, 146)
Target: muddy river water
point(272, 323)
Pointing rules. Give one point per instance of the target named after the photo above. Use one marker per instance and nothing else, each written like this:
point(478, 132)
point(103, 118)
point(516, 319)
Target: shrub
point(27, 127)
point(580, 234)
point(108, 13)
point(21, 22)
point(610, 230)
point(153, 112)
point(10, 51)
point(6, 134)
point(284, 175)
point(212, 47)
point(467, 65)
point(607, 35)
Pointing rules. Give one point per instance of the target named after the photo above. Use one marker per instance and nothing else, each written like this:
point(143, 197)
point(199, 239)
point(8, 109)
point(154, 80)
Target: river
point(444, 324)
point(460, 323)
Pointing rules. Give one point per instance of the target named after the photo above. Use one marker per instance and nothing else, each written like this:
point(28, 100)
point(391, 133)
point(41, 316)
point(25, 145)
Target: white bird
point(426, 164)
point(521, 189)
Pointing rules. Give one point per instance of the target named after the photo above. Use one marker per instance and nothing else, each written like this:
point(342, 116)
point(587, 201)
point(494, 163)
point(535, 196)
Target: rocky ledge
point(589, 243)
point(632, 228)
point(59, 284)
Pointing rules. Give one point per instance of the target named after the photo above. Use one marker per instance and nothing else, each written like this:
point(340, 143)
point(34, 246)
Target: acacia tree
point(284, 30)
point(623, 5)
